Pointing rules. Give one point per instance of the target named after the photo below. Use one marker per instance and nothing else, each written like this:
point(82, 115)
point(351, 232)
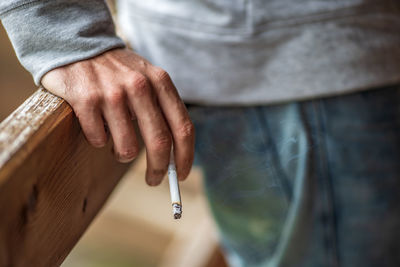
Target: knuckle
point(139, 85)
point(161, 75)
point(115, 97)
point(90, 98)
point(161, 143)
point(128, 154)
point(186, 130)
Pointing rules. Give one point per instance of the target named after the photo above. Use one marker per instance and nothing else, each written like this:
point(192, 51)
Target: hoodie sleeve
point(47, 34)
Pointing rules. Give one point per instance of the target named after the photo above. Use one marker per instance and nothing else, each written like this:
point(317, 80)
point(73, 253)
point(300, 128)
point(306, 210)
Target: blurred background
point(135, 227)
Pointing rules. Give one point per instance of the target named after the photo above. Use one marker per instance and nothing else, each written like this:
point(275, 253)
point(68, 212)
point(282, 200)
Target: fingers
point(178, 119)
point(120, 86)
point(91, 121)
point(153, 128)
point(119, 122)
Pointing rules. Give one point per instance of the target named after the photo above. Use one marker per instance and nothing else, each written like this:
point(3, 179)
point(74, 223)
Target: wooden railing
point(52, 183)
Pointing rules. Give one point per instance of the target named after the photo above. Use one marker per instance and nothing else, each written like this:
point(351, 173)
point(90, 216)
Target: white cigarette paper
point(174, 189)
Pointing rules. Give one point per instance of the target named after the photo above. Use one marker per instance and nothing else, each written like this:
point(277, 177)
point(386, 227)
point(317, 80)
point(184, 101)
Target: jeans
point(311, 183)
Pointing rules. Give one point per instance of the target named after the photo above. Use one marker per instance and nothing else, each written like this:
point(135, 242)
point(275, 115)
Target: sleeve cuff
point(51, 34)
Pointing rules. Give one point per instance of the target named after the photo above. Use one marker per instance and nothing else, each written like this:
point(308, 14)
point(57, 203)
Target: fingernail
point(152, 181)
point(125, 160)
point(127, 156)
point(98, 143)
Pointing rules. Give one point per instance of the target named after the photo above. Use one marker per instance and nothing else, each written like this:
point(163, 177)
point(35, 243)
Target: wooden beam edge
point(42, 111)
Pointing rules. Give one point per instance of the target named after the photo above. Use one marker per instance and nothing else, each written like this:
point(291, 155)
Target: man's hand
point(119, 86)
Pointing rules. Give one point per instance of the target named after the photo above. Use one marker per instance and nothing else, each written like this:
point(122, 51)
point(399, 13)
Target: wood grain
point(52, 183)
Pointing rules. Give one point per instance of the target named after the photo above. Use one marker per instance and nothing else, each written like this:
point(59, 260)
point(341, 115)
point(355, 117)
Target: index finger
point(178, 119)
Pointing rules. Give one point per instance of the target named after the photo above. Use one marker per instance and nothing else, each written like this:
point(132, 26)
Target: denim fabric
point(312, 183)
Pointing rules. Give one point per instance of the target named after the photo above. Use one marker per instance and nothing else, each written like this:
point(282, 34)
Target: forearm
point(50, 34)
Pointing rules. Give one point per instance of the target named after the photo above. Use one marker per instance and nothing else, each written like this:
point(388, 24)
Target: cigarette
point(174, 189)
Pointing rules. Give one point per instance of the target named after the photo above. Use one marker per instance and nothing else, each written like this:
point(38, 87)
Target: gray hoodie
point(223, 52)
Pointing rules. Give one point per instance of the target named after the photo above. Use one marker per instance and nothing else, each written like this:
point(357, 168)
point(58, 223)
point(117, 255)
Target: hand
point(116, 87)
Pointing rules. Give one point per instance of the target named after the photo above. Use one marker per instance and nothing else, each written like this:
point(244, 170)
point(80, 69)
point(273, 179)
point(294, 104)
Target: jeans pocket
point(248, 203)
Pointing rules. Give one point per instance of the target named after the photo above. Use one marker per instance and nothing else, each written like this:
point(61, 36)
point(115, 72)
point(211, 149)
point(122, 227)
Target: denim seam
point(323, 120)
point(320, 191)
point(326, 183)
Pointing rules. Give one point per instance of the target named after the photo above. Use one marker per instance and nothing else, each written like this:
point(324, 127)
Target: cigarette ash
point(177, 209)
